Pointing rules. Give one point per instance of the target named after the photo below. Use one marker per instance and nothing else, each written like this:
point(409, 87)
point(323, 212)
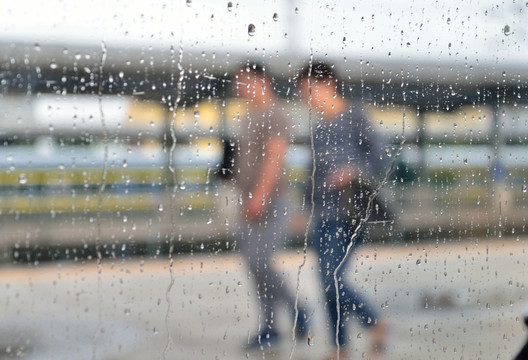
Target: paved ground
point(458, 300)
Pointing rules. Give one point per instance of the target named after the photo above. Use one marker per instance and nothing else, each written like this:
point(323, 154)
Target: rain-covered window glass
point(269, 180)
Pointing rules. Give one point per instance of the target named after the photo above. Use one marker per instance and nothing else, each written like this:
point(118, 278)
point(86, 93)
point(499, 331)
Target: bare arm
point(270, 174)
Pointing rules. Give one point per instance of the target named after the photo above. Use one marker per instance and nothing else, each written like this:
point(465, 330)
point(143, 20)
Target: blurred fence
point(461, 172)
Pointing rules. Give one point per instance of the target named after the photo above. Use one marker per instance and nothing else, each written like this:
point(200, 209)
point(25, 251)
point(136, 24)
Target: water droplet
point(37, 46)
point(448, 20)
point(182, 185)
point(196, 114)
point(524, 188)
point(275, 17)
point(127, 312)
point(53, 65)
point(296, 10)
point(125, 163)
point(9, 157)
point(251, 29)
point(160, 207)
point(22, 179)
point(202, 246)
point(229, 6)
point(506, 30)
point(121, 74)
point(465, 161)
point(209, 221)
point(419, 262)
point(188, 2)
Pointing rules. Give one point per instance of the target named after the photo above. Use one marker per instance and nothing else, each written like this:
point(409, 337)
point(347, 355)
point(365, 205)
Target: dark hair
point(318, 70)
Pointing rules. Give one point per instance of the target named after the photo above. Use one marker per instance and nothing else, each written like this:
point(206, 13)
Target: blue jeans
point(331, 238)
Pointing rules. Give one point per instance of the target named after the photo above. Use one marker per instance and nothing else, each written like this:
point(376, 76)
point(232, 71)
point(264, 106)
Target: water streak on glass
point(177, 101)
point(100, 198)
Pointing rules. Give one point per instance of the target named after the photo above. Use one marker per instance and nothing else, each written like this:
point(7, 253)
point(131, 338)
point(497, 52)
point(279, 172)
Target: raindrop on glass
point(506, 30)
point(275, 17)
point(251, 29)
point(22, 179)
point(229, 6)
point(188, 2)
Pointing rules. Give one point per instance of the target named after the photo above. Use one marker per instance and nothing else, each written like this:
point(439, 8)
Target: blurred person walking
point(259, 164)
point(348, 165)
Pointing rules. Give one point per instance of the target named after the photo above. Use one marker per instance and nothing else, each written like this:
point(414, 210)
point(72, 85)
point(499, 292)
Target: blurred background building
point(139, 90)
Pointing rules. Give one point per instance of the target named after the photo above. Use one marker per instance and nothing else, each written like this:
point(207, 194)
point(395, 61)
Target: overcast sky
point(472, 31)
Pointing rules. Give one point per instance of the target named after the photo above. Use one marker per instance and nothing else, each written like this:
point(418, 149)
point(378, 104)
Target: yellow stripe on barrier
point(61, 204)
point(68, 204)
point(81, 176)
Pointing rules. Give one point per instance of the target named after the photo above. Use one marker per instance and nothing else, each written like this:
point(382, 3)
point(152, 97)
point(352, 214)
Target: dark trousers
point(331, 238)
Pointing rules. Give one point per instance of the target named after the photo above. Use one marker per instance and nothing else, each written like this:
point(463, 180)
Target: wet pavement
point(456, 300)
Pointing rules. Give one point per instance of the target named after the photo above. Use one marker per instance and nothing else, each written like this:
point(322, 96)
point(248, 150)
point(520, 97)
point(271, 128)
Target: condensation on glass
point(125, 209)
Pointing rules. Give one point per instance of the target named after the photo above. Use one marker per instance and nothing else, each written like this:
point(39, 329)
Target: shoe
point(263, 341)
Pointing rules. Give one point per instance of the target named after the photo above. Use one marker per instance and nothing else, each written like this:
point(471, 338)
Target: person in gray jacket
point(259, 163)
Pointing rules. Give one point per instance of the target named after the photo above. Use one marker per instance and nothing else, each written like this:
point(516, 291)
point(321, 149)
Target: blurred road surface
point(456, 300)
